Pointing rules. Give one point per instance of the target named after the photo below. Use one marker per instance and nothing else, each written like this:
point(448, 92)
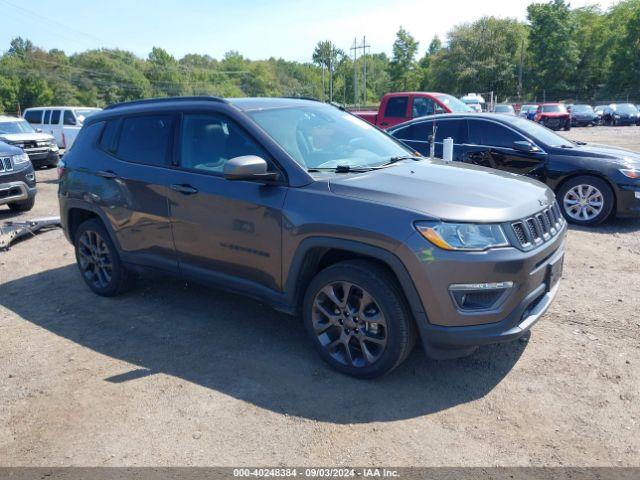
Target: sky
point(258, 29)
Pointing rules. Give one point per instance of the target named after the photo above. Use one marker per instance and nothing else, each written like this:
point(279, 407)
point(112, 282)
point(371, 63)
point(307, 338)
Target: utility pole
point(364, 61)
point(355, 71)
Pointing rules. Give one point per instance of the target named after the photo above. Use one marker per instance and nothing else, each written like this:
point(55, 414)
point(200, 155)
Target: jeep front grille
point(5, 164)
point(539, 228)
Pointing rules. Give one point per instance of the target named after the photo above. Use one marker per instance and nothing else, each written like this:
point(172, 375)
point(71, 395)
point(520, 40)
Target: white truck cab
point(63, 123)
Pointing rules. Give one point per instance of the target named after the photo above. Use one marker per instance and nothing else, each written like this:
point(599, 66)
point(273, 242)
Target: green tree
point(552, 46)
point(402, 68)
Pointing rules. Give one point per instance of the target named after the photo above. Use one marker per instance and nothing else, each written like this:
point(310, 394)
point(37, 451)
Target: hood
point(8, 149)
point(607, 153)
point(448, 191)
point(25, 137)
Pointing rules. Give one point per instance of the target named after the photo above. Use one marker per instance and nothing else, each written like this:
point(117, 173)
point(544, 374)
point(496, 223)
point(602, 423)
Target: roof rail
point(164, 99)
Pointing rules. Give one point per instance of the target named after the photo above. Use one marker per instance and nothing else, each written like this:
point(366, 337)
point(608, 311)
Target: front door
point(224, 231)
point(490, 144)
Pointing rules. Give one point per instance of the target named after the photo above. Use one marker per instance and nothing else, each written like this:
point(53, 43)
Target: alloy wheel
point(583, 202)
point(94, 259)
point(349, 324)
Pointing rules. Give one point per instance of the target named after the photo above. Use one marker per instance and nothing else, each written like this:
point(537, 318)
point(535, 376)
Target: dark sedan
point(618, 114)
point(591, 181)
point(583, 116)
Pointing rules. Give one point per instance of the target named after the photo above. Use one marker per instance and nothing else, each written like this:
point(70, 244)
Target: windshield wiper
point(341, 169)
point(404, 157)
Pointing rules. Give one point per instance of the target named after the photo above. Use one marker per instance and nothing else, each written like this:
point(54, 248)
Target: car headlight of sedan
point(631, 173)
point(21, 159)
point(463, 236)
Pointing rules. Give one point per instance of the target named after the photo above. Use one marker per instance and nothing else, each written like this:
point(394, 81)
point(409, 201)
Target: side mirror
point(524, 146)
point(248, 167)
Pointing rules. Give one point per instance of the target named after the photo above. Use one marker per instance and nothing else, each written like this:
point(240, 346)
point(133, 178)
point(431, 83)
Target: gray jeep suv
point(313, 211)
point(17, 179)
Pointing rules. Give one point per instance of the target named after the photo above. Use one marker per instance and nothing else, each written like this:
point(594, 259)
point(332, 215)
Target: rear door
point(396, 111)
point(418, 135)
point(224, 231)
point(134, 183)
point(490, 144)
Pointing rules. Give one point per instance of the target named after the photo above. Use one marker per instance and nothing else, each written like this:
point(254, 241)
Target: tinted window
point(47, 116)
point(397, 107)
point(107, 140)
point(146, 139)
point(68, 118)
point(417, 132)
point(423, 106)
point(207, 141)
point(451, 129)
point(33, 116)
point(55, 117)
point(490, 133)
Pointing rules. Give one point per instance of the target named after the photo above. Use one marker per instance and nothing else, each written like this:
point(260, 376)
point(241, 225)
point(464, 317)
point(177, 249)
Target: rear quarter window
point(107, 141)
point(397, 107)
point(33, 116)
point(146, 139)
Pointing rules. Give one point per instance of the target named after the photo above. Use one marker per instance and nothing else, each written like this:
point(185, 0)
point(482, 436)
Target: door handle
point(184, 189)
point(108, 174)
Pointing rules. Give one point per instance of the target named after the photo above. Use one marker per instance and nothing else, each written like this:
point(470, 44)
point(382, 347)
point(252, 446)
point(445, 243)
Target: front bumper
point(628, 200)
point(43, 157)
point(448, 331)
point(17, 185)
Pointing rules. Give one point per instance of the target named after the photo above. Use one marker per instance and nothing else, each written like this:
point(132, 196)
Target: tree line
point(558, 53)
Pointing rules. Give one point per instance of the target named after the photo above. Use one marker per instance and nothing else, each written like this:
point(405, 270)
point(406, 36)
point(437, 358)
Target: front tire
point(586, 200)
point(358, 320)
point(98, 260)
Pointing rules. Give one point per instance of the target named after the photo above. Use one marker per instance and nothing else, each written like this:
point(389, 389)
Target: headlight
point(630, 172)
point(20, 159)
point(463, 236)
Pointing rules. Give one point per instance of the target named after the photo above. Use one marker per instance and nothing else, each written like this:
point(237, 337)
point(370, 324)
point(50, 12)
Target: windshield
point(540, 133)
point(503, 109)
point(19, 126)
point(84, 113)
point(455, 105)
point(324, 137)
point(625, 108)
point(582, 109)
point(554, 109)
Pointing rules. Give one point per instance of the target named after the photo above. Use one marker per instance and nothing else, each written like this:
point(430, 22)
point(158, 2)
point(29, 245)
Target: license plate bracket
point(554, 272)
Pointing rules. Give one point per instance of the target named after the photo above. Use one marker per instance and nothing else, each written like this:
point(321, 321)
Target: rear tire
point(358, 320)
point(23, 205)
point(586, 200)
point(99, 262)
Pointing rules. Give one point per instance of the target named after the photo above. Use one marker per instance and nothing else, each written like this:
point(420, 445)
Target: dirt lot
point(171, 374)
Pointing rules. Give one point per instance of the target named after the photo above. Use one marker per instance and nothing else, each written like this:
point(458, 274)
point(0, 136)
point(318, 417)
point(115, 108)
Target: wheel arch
point(316, 253)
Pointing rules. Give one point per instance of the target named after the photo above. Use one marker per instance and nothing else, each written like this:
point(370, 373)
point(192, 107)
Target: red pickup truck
point(399, 107)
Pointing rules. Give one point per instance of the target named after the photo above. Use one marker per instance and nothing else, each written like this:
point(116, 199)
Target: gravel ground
point(171, 374)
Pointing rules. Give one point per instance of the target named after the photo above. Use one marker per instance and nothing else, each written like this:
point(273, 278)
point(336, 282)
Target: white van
point(63, 123)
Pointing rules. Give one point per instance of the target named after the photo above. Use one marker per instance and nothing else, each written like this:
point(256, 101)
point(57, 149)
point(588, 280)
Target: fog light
point(479, 296)
point(30, 176)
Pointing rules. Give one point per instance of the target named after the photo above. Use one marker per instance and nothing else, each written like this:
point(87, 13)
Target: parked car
point(618, 114)
point(553, 116)
point(63, 123)
point(528, 111)
point(599, 111)
point(504, 108)
point(474, 101)
point(591, 182)
point(311, 210)
point(41, 147)
point(396, 108)
point(583, 115)
point(17, 179)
